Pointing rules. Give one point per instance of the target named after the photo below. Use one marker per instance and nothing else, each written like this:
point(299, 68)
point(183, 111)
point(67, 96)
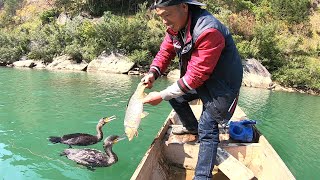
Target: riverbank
point(255, 75)
point(287, 45)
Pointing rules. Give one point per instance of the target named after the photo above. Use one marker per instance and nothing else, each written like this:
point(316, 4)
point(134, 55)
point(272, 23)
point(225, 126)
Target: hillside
point(315, 22)
point(283, 35)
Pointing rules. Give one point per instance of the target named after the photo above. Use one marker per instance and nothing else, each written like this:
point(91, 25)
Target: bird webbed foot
point(91, 168)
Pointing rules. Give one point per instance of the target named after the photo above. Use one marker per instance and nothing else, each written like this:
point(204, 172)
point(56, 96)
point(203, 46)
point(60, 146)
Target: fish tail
point(55, 139)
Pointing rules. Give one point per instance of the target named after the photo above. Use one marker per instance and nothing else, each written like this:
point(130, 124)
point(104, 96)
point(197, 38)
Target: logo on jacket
point(177, 45)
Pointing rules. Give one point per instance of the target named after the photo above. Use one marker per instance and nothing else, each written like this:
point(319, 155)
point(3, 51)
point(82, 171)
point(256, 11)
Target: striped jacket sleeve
point(163, 57)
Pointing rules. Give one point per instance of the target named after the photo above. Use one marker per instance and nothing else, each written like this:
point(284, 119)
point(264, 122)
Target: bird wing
point(80, 139)
point(74, 135)
point(91, 157)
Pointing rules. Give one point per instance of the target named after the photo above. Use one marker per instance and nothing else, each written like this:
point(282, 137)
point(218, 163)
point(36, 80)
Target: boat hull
point(177, 161)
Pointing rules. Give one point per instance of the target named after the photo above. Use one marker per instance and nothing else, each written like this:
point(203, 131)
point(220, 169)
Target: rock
point(2, 63)
point(1, 4)
point(63, 19)
point(255, 74)
point(133, 72)
point(315, 4)
point(113, 63)
point(278, 87)
point(174, 75)
point(39, 65)
point(66, 62)
point(24, 63)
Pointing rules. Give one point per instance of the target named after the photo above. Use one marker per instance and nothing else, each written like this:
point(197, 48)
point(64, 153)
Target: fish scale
point(134, 112)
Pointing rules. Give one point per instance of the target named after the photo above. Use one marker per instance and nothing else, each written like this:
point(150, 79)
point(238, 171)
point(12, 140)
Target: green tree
point(9, 11)
point(98, 7)
point(293, 11)
point(47, 42)
point(12, 46)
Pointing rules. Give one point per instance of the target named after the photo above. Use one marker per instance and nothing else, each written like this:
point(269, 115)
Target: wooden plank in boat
point(231, 167)
point(186, 156)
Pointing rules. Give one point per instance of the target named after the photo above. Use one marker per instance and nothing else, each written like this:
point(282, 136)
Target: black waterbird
point(82, 139)
point(92, 158)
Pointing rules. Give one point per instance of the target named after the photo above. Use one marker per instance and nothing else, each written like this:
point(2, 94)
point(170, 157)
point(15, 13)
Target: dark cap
point(165, 3)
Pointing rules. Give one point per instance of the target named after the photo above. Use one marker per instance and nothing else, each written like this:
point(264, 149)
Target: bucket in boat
point(242, 130)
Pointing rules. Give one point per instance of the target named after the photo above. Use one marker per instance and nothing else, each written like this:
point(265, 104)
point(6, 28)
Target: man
point(210, 69)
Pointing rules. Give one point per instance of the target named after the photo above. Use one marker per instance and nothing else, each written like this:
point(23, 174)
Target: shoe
point(180, 130)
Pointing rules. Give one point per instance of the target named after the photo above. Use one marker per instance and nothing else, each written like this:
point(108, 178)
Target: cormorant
point(94, 158)
point(82, 139)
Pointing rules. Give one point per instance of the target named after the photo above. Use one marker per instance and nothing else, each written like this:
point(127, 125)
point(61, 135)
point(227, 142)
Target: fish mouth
point(108, 119)
point(130, 132)
point(130, 138)
point(142, 84)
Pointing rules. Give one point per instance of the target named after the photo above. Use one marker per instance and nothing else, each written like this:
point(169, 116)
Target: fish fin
point(144, 114)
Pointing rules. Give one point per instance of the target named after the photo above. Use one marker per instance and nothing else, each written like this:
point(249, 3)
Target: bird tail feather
point(55, 139)
point(63, 153)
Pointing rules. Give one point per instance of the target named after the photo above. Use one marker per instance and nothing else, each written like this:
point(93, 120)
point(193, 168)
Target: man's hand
point(153, 98)
point(148, 80)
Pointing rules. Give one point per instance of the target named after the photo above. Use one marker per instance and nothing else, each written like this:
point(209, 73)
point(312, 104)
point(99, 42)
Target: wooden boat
point(166, 159)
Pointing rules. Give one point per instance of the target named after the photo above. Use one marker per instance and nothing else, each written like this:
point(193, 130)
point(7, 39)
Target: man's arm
point(162, 60)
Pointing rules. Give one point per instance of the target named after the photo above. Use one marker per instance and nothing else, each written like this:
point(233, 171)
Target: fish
point(134, 112)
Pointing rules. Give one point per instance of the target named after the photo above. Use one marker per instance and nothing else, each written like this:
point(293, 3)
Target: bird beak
point(120, 138)
point(108, 119)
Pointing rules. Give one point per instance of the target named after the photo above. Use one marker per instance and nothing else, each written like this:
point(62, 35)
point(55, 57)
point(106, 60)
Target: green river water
point(35, 104)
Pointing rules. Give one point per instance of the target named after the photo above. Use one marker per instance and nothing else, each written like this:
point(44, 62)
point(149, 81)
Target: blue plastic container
point(242, 130)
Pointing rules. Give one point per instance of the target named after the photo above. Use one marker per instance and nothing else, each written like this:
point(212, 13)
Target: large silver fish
point(134, 112)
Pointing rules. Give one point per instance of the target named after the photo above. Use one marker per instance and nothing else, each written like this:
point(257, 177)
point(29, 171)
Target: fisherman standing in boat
point(210, 69)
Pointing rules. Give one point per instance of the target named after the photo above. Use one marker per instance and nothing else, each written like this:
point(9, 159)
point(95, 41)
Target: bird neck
point(112, 156)
point(99, 132)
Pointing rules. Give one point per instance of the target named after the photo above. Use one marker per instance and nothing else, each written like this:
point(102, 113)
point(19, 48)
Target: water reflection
point(3, 151)
point(10, 166)
point(253, 100)
point(14, 166)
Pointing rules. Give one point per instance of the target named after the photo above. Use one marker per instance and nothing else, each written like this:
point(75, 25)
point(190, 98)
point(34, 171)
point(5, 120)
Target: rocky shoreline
point(255, 74)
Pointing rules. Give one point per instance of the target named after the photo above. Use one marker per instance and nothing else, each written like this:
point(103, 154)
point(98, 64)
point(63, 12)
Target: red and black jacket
point(207, 54)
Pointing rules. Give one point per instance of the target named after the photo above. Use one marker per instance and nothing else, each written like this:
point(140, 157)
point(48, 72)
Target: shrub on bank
point(12, 47)
point(138, 37)
point(300, 72)
point(46, 42)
